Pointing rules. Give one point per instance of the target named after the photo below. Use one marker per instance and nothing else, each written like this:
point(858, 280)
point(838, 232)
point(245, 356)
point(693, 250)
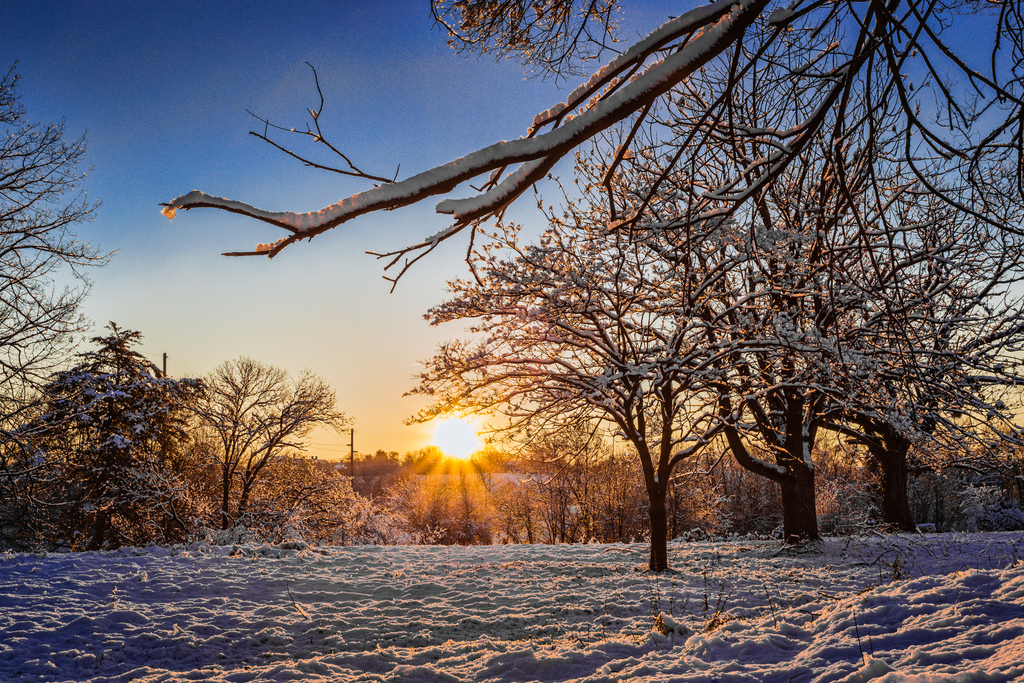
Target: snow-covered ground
point(729, 611)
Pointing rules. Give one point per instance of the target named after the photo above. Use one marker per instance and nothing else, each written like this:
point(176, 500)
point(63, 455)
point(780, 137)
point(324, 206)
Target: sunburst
point(457, 437)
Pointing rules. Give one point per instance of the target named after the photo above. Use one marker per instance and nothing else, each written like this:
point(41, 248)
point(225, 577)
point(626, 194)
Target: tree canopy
point(112, 426)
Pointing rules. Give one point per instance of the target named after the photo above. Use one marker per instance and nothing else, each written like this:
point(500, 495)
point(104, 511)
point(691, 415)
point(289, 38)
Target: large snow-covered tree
point(950, 325)
point(956, 106)
point(818, 307)
point(586, 325)
point(857, 268)
point(256, 414)
point(111, 427)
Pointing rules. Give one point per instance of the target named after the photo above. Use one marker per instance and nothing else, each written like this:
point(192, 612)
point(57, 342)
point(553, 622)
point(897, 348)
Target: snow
point(635, 54)
point(504, 191)
point(936, 607)
point(780, 17)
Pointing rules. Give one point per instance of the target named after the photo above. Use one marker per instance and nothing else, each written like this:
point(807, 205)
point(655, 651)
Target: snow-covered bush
point(699, 503)
point(300, 499)
point(847, 496)
point(28, 482)
point(751, 503)
point(367, 522)
point(1002, 518)
point(959, 499)
point(845, 506)
point(982, 507)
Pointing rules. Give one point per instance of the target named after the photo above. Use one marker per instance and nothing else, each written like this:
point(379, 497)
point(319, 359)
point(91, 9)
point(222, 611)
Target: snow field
point(743, 610)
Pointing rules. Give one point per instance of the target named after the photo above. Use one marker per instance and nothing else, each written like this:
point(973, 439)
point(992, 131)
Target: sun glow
point(457, 438)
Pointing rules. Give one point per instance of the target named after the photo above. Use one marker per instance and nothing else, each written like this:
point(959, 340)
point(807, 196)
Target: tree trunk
point(99, 531)
point(243, 498)
point(675, 511)
point(895, 503)
point(889, 450)
point(659, 531)
point(796, 481)
point(799, 515)
point(225, 500)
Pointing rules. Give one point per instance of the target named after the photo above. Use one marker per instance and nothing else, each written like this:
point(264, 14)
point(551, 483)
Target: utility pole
point(165, 364)
point(352, 454)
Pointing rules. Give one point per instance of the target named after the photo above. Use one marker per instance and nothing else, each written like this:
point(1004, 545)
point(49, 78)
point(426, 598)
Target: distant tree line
point(111, 453)
point(576, 489)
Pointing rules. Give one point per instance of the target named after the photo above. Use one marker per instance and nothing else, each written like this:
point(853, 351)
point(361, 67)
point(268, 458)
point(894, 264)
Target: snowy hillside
point(736, 611)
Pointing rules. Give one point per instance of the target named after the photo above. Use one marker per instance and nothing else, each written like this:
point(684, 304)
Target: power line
point(192, 372)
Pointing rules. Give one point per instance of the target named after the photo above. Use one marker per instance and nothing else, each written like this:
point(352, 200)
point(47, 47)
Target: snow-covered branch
point(714, 28)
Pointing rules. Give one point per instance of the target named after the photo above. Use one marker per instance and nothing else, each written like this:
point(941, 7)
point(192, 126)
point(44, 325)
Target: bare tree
point(960, 111)
point(257, 414)
point(952, 323)
point(856, 270)
point(40, 203)
point(565, 464)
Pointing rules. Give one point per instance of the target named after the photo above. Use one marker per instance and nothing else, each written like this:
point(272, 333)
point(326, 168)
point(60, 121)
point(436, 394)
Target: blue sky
point(161, 90)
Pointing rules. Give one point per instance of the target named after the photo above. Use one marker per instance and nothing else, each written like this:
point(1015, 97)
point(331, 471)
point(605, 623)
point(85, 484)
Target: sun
point(457, 437)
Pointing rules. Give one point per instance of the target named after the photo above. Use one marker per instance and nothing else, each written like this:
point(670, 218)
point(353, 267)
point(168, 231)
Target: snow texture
point(744, 610)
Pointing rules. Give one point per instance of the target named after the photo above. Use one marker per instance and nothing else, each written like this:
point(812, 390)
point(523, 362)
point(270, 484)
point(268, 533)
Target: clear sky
point(161, 89)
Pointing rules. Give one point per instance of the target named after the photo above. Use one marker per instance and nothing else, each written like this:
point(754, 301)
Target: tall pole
point(165, 364)
point(352, 453)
